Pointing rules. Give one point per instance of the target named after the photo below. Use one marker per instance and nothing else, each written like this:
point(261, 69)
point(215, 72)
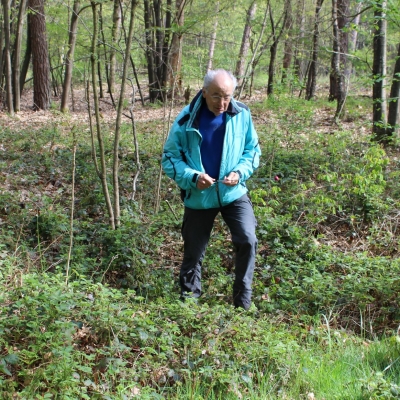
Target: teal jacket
point(181, 158)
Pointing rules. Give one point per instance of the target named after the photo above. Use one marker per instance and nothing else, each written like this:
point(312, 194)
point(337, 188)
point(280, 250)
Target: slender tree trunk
point(165, 50)
point(17, 56)
point(252, 64)
point(70, 57)
point(7, 57)
point(288, 48)
point(274, 47)
point(114, 40)
point(1, 51)
point(40, 56)
point(379, 71)
point(159, 41)
point(26, 61)
point(149, 52)
point(393, 116)
point(99, 45)
point(337, 90)
point(117, 212)
point(213, 38)
point(244, 47)
point(353, 38)
point(299, 43)
point(103, 167)
point(340, 50)
point(175, 55)
point(312, 72)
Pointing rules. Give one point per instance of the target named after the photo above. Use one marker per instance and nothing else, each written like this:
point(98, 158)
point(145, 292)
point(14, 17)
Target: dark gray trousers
point(196, 231)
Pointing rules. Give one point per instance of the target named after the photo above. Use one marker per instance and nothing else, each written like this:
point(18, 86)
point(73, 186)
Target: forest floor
point(78, 112)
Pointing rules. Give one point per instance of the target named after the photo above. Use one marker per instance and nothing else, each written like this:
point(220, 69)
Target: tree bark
point(114, 39)
point(103, 168)
point(312, 71)
point(40, 56)
point(150, 43)
point(175, 54)
point(26, 61)
point(70, 57)
point(17, 56)
point(244, 47)
point(353, 38)
point(288, 48)
point(117, 212)
point(7, 57)
point(299, 44)
point(393, 116)
point(340, 50)
point(165, 49)
point(274, 47)
point(379, 72)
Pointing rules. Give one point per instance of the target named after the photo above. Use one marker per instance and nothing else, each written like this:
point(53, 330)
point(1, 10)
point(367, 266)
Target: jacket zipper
point(217, 190)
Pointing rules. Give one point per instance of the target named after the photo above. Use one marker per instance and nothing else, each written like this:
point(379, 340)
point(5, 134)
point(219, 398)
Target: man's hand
point(204, 181)
point(232, 179)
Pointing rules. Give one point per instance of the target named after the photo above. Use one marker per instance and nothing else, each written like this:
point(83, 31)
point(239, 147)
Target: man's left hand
point(232, 179)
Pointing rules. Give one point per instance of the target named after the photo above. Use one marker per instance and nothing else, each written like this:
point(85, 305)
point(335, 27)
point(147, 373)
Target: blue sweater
point(212, 129)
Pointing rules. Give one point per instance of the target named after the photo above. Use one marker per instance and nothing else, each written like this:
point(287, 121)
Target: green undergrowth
point(325, 315)
point(88, 340)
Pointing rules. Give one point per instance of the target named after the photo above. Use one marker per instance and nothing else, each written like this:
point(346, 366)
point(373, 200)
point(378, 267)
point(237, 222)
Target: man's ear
point(204, 92)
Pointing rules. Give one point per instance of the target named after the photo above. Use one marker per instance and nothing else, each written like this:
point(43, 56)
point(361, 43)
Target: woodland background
point(90, 227)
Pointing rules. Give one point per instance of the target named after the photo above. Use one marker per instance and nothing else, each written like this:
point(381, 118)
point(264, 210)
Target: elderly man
point(211, 150)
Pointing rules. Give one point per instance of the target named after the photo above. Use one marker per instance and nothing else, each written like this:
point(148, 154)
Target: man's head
point(218, 89)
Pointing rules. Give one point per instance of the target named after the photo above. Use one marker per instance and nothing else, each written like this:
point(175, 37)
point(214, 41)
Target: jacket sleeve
point(250, 158)
point(174, 161)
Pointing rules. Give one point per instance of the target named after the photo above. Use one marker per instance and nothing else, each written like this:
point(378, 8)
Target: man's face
point(218, 94)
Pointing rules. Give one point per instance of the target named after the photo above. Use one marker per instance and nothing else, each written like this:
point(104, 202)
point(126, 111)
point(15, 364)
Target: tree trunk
point(165, 49)
point(379, 72)
point(253, 62)
point(70, 57)
point(274, 47)
point(7, 57)
point(288, 48)
point(175, 54)
point(353, 38)
point(338, 61)
point(213, 38)
point(149, 52)
point(393, 116)
point(99, 45)
point(26, 61)
point(117, 212)
point(312, 71)
point(114, 39)
point(1, 53)
point(244, 47)
point(340, 50)
point(102, 172)
point(40, 56)
point(299, 44)
point(17, 56)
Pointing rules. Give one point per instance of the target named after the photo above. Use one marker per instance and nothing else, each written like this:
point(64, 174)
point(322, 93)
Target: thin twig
point(71, 226)
point(173, 212)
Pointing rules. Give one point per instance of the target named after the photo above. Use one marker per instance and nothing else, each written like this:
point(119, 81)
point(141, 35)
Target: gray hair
point(212, 73)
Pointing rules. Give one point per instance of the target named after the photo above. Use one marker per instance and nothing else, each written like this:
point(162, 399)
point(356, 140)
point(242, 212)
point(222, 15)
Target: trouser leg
point(239, 217)
point(196, 231)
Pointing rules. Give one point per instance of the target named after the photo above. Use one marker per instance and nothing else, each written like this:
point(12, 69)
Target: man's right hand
point(204, 181)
